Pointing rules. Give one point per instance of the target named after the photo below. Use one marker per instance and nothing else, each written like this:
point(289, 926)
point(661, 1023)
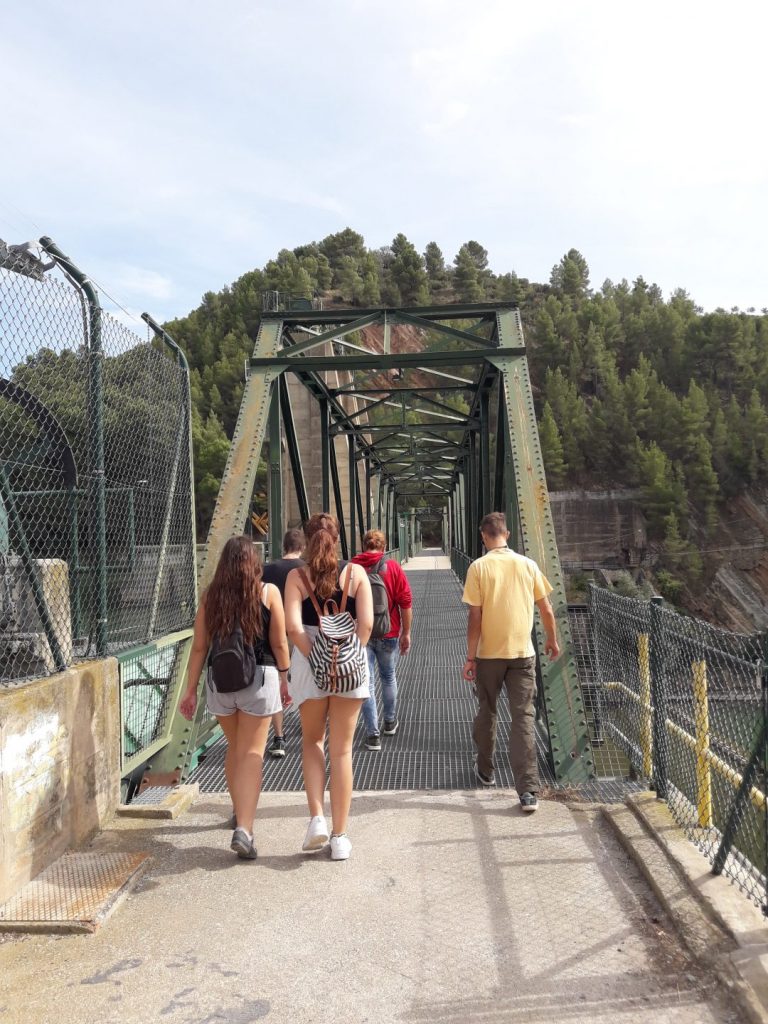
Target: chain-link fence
point(683, 704)
point(96, 509)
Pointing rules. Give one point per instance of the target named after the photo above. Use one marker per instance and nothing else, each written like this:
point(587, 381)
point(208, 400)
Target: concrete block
point(59, 766)
point(178, 800)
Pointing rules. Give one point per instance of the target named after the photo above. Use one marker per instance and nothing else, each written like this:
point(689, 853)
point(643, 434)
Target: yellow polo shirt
point(506, 586)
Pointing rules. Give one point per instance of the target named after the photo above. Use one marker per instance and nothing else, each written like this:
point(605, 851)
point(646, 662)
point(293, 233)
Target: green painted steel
point(442, 462)
point(275, 474)
point(378, 361)
point(325, 495)
point(294, 453)
point(151, 678)
point(566, 717)
point(229, 517)
point(234, 499)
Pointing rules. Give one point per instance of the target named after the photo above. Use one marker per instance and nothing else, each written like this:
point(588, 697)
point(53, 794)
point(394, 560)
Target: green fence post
point(96, 407)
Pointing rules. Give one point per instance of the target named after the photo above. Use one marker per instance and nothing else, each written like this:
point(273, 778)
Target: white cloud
point(631, 132)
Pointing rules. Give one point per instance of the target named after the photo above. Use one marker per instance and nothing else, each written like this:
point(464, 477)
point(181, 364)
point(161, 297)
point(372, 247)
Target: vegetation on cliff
point(633, 389)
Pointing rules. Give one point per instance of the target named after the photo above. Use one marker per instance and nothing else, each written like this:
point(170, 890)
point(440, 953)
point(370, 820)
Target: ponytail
point(322, 532)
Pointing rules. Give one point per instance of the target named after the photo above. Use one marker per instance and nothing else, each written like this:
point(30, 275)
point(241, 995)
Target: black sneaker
point(529, 803)
point(390, 728)
point(373, 742)
point(277, 747)
point(487, 780)
point(242, 845)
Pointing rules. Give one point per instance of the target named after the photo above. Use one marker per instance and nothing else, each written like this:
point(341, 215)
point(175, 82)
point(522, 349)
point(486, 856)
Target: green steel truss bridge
point(436, 424)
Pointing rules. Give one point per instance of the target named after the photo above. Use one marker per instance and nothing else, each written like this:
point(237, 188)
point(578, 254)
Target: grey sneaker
point(487, 780)
point(242, 845)
point(277, 747)
point(529, 803)
point(373, 742)
point(390, 728)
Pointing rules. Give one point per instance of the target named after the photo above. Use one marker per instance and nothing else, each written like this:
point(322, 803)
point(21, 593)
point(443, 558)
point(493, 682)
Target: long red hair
point(322, 533)
point(235, 591)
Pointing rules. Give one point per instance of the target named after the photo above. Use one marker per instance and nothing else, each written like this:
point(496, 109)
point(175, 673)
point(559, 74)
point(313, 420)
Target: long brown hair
point(235, 591)
point(322, 533)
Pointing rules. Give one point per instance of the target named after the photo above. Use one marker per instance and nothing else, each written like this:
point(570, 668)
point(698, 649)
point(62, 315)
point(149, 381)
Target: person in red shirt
point(384, 651)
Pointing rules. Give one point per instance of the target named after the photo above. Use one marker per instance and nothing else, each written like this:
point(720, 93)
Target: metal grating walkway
point(433, 747)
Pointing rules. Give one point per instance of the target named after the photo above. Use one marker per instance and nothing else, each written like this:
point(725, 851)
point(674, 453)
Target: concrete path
point(454, 908)
point(430, 558)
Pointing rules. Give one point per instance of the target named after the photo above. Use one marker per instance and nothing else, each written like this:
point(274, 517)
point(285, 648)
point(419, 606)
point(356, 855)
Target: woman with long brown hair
point(242, 619)
point(326, 579)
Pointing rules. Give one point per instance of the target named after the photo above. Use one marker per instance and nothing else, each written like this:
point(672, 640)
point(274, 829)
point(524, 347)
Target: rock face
point(737, 596)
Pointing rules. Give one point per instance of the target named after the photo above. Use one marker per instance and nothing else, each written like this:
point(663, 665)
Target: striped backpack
point(337, 659)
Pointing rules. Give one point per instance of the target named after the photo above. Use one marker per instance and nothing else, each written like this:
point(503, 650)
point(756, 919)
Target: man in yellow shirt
point(501, 590)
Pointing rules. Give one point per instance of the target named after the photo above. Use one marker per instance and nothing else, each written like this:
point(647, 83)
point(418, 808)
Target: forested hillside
point(633, 389)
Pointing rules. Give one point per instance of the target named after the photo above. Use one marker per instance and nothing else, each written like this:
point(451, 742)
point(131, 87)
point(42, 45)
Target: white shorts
point(261, 701)
point(303, 686)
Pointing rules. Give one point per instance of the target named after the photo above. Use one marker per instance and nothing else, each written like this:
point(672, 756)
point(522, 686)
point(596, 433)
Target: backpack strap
point(310, 592)
point(345, 592)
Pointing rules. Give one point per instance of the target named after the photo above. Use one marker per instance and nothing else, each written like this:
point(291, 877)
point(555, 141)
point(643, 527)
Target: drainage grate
point(433, 747)
point(75, 893)
point(153, 795)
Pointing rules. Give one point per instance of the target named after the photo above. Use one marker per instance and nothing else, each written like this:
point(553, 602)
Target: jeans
point(384, 653)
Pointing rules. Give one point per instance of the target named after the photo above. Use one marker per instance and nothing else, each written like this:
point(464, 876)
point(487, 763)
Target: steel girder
point(563, 702)
point(445, 458)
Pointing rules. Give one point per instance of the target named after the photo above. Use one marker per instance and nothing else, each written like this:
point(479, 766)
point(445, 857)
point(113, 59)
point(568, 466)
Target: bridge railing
point(151, 679)
point(460, 562)
point(686, 704)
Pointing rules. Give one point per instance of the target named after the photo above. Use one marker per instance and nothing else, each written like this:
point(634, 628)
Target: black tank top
point(266, 617)
point(308, 613)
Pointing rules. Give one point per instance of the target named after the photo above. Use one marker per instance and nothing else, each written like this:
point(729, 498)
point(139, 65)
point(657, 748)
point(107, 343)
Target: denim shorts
point(261, 701)
point(303, 686)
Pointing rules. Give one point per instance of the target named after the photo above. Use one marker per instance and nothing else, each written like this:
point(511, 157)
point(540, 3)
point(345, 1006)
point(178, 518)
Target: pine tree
point(466, 277)
point(571, 274)
point(662, 492)
point(408, 273)
point(437, 273)
point(702, 483)
point(551, 449)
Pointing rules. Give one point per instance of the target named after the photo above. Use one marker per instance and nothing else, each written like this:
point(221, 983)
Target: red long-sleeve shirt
point(396, 584)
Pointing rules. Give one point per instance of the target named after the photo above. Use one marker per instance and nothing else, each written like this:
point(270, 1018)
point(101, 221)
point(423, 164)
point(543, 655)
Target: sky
point(168, 147)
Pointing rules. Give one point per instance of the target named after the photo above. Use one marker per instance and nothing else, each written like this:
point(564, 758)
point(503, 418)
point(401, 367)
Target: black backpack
point(233, 664)
point(381, 620)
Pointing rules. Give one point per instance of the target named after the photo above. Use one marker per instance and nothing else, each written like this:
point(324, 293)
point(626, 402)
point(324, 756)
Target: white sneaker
point(340, 847)
point(317, 834)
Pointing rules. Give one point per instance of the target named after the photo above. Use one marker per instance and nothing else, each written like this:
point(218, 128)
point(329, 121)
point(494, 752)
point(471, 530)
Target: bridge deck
point(433, 747)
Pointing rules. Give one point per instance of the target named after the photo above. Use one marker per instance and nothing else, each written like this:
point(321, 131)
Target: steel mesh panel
point(684, 703)
point(146, 679)
point(96, 532)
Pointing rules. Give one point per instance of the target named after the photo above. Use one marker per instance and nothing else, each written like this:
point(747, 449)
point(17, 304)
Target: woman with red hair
point(328, 579)
point(238, 604)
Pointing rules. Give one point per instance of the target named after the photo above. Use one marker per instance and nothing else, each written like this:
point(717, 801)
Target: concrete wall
point(59, 767)
point(601, 527)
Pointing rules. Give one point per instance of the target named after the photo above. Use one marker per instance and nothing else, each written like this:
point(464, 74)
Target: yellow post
point(701, 719)
point(646, 725)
